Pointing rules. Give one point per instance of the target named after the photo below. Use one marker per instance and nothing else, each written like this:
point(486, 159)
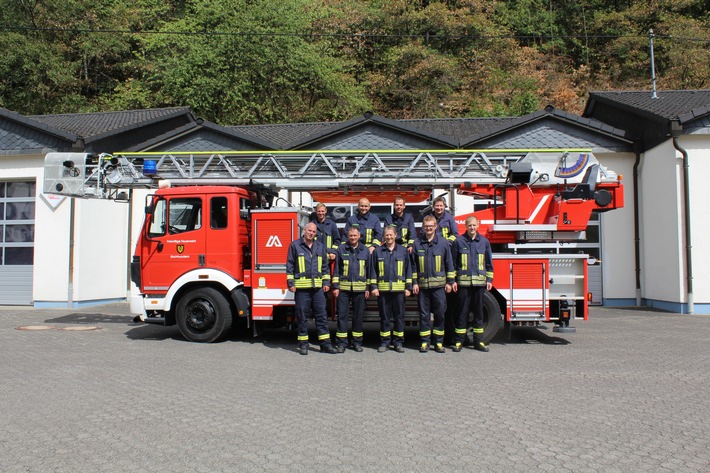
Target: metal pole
point(653, 68)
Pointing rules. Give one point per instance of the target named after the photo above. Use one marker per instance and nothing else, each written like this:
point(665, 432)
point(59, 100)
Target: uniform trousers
point(357, 300)
point(311, 301)
point(432, 301)
point(391, 306)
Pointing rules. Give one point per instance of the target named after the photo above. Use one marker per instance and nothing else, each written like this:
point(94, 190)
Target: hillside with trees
point(275, 61)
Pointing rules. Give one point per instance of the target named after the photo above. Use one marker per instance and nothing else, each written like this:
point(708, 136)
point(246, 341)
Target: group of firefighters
point(390, 264)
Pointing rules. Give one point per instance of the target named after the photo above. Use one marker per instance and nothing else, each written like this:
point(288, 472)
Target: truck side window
point(184, 215)
point(218, 212)
point(157, 220)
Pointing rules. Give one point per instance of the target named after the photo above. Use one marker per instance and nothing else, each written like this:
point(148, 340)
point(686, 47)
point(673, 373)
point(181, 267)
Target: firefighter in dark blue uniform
point(473, 259)
point(432, 278)
point(391, 282)
point(446, 225)
point(403, 224)
point(328, 232)
point(368, 224)
point(351, 275)
point(308, 276)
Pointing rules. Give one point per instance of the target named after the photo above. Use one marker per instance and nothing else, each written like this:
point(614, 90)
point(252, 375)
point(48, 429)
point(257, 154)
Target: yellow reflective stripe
point(326, 277)
point(289, 277)
point(320, 264)
point(357, 334)
point(301, 264)
point(336, 279)
point(346, 267)
point(445, 232)
point(385, 334)
point(489, 274)
point(353, 286)
point(400, 268)
point(421, 264)
point(481, 262)
point(368, 236)
point(451, 274)
point(405, 232)
point(376, 242)
point(477, 330)
point(437, 263)
point(341, 334)
point(464, 261)
point(328, 241)
point(460, 330)
point(391, 286)
point(302, 338)
point(362, 268)
point(425, 333)
point(324, 336)
point(438, 332)
point(398, 334)
point(307, 283)
point(381, 268)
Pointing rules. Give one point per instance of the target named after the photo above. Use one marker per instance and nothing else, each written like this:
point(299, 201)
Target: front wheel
point(492, 320)
point(203, 315)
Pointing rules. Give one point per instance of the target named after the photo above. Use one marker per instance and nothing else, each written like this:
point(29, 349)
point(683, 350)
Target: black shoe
point(328, 349)
point(357, 348)
point(424, 348)
point(439, 348)
point(341, 349)
point(480, 346)
point(303, 350)
point(382, 349)
point(399, 348)
point(456, 348)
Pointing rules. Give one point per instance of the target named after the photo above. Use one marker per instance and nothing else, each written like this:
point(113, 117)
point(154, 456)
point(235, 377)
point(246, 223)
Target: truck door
point(173, 241)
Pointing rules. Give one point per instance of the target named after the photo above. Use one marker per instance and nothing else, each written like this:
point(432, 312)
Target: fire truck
point(214, 241)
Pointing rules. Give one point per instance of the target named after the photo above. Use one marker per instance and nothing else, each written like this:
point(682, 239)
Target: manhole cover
point(37, 327)
point(79, 328)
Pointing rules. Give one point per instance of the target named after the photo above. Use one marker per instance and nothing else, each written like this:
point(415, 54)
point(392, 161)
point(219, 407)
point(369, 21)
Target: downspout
point(637, 237)
point(676, 129)
point(70, 282)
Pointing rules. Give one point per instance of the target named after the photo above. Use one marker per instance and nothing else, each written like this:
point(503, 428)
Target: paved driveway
point(630, 391)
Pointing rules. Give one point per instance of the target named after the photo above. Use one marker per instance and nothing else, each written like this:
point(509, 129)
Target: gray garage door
point(17, 235)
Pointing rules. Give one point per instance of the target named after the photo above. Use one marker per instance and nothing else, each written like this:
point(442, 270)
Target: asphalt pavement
point(88, 390)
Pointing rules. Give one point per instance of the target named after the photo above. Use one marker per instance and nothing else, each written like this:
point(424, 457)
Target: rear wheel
point(203, 315)
point(491, 318)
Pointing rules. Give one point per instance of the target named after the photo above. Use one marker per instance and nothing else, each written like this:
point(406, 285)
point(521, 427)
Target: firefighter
point(350, 285)
point(308, 276)
point(432, 278)
point(368, 224)
point(402, 223)
point(328, 232)
point(473, 259)
point(391, 282)
point(445, 224)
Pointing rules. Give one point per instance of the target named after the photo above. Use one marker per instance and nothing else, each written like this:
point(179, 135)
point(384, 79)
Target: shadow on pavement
point(83, 318)
point(529, 335)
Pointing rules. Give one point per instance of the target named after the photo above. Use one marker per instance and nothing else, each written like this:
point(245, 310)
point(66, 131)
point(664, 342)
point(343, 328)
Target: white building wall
point(698, 148)
point(661, 203)
point(617, 235)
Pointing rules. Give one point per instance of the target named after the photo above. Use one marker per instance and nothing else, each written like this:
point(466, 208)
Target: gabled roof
point(282, 135)
point(22, 135)
point(682, 105)
point(208, 136)
point(649, 120)
point(98, 125)
point(514, 125)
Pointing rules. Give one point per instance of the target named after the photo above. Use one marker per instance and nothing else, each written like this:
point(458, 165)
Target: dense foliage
point(271, 61)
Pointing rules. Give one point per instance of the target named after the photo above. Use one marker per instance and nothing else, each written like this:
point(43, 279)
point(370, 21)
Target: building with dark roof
point(627, 131)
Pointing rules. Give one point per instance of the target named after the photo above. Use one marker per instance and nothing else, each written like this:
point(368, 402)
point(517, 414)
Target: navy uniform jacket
point(328, 233)
point(433, 266)
point(391, 270)
point(352, 268)
point(307, 268)
point(446, 226)
point(473, 260)
point(369, 226)
point(406, 231)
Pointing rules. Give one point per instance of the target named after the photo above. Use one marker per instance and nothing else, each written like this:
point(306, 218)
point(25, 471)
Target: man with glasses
point(432, 278)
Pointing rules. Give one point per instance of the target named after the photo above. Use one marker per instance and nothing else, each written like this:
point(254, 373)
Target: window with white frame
point(17, 222)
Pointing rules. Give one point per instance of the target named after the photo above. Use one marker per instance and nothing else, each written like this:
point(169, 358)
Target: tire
point(492, 320)
point(203, 315)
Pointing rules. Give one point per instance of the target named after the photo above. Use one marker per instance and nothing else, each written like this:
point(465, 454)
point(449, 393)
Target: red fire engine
point(216, 233)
